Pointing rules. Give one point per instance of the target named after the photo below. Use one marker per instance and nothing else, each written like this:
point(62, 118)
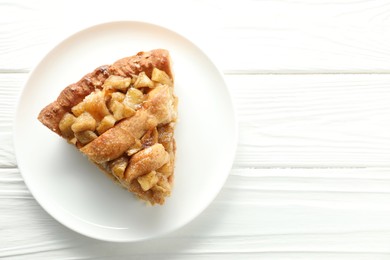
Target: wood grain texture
point(247, 36)
point(270, 213)
point(285, 120)
point(311, 84)
point(312, 120)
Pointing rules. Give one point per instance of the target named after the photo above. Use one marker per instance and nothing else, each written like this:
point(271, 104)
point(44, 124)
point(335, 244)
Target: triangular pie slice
point(122, 117)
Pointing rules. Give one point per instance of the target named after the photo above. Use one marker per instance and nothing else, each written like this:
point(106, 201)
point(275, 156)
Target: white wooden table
point(311, 84)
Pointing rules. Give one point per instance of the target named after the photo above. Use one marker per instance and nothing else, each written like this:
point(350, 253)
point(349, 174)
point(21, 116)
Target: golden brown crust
point(145, 161)
point(123, 151)
point(117, 140)
point(51, 115)
point(110, 145)
point(143, 61)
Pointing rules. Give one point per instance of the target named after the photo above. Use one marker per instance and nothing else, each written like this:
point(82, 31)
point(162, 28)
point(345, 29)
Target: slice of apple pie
point(122, 117)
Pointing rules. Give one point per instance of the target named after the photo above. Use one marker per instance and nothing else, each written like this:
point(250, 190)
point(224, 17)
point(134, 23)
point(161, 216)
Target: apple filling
point(146, 167)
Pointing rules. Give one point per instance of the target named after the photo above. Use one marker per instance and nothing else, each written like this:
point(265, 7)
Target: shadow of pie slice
point(122, 117)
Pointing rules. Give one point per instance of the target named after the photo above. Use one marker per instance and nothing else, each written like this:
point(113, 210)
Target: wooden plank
point(259, 212)
point(242, 183)
point(312, 120)
point(284, 120)
point(250, 36)
point(11, 85)
point(7, 151)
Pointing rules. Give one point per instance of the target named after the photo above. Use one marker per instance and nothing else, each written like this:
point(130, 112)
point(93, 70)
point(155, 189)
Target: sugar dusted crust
point(51, 115)
point(137, 149)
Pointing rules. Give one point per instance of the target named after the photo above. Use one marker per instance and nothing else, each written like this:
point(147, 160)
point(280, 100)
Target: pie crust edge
point(75, 93)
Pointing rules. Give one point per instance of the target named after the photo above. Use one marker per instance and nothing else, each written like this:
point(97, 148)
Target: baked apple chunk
point(122, 117)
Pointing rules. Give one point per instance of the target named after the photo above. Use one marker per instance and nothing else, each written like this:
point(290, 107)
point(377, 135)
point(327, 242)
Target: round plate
point(78, 194)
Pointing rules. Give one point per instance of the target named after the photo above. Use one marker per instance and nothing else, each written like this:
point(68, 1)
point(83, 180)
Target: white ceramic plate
point(79, 195)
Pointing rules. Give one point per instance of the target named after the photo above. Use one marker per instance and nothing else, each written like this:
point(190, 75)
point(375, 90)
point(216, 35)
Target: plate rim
point(52, 48)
